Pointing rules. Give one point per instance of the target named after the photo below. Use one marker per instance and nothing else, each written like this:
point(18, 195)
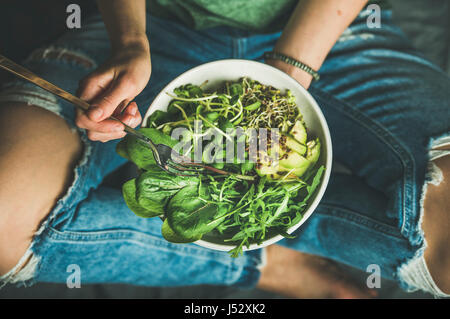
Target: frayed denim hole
point(70, 56)
point(23, 272)
point(434, 174)
point(414, 274)
point(19, 92)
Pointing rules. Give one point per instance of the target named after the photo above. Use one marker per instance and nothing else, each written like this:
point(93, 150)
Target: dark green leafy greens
point(240, 211)
point(191, 211)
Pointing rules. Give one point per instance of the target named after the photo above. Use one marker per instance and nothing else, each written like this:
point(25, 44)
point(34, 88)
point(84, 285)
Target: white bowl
point(232, 69)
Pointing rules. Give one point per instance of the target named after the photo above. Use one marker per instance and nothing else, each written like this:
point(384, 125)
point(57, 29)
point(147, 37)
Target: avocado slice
point(298, 131)
point(295, 146)
point(297, 164)
point(266, 170)
point(291, 160)
point(294, 162)
point(265, 165)
point(313, 152)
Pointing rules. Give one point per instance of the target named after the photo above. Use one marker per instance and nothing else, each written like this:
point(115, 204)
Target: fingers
point(94, 84)
point(105, 126)
point(130, 116)
point(105, 137)
point(121, 89)
point(108, 91)
point(109, 129)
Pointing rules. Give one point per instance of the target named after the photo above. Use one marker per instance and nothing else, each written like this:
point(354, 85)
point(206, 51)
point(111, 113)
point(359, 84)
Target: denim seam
point(230, 264)
point(131, 235)
point(243, 44)
point(233, 265)
point(361, 220)
point(239, 47)
point(402, 153)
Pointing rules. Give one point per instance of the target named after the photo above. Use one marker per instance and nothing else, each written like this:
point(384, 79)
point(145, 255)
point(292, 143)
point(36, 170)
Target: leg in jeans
point(388, 111)
point(354, 225)
point(90, 225)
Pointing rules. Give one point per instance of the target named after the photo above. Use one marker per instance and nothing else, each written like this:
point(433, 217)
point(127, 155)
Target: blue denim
point(386, 107)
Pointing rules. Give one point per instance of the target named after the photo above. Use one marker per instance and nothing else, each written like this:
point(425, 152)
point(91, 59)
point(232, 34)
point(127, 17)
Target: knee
point(436, 222)
point(438, 264)
point(16, 233)
point(38, 154)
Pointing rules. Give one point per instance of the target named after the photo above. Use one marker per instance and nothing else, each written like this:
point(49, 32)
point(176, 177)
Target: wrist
point(271, 55)
point(301, 52)
point(129, 40)
point(293, 66)
point(299, 75)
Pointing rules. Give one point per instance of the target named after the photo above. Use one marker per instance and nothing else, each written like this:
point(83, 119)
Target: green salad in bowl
point(253, 131)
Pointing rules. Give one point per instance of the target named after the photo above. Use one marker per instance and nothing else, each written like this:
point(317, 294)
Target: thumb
point(119, 90)
point(94, 85)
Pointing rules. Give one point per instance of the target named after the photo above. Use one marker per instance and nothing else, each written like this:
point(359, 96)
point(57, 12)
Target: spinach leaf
point(133, 149)
point(121, 149)
point(129, 194)
point(173, 237)
point(191, 214)
point(155, 187)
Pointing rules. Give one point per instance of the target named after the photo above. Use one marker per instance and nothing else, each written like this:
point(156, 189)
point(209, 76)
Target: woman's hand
point(111, 87)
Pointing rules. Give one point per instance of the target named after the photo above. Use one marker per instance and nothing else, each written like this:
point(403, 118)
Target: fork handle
point(26, 74)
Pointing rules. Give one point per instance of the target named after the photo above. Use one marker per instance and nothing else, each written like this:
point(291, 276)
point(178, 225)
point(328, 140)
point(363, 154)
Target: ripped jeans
point(387, 107)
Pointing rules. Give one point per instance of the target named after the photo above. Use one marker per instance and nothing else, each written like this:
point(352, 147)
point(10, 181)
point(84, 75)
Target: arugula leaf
point(281, 209)
point(235, 252)
point(298, 217)
point(286, 235)
point(316, 181)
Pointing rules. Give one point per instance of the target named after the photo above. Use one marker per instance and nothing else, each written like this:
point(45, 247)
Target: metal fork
point(164, 155)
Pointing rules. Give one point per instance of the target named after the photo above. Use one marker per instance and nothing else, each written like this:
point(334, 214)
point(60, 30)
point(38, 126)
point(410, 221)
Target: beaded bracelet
point(289, 60)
